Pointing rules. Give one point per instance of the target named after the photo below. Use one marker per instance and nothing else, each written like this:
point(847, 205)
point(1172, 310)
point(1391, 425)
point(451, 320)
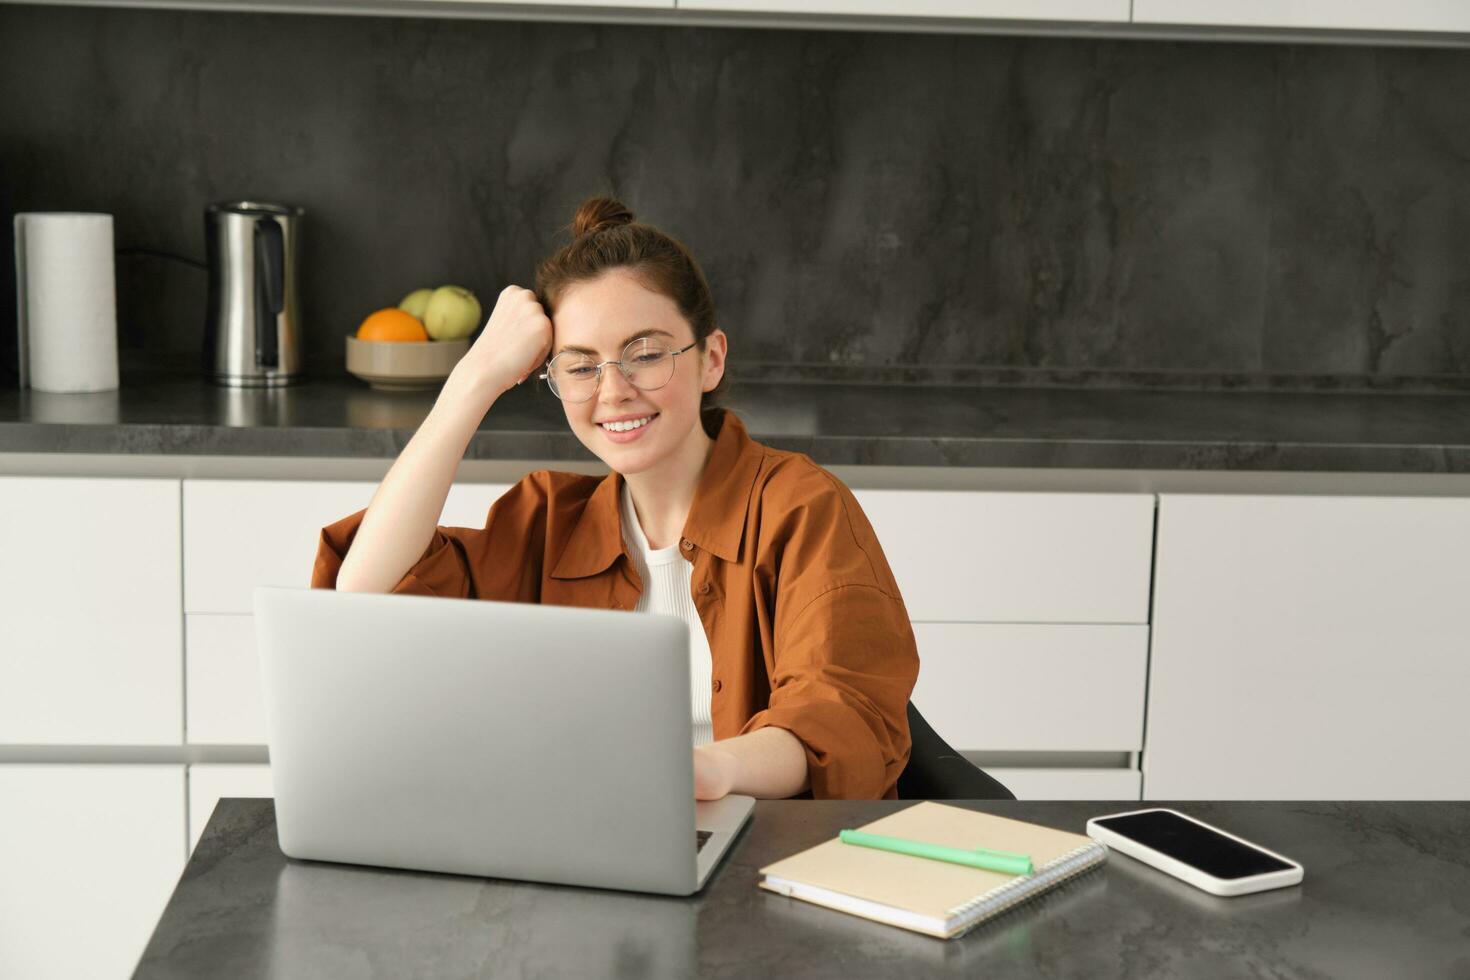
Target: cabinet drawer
point(242, 533)
point(208, 784)
point(89, 611)
point(964, 556)
point(1070, 784)
point(225, 704)
point(1024, 687)
point(1363, 15)
point(90, 855)
point(1091, 11)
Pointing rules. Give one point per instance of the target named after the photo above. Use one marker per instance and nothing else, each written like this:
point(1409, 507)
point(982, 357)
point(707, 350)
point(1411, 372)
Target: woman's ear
point(713, 359)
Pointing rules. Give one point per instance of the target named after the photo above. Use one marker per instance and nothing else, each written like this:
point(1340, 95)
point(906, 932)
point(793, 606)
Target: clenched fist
point(514, 344)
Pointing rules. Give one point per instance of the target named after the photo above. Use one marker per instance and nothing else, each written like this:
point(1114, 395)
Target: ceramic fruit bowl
point(404, 365)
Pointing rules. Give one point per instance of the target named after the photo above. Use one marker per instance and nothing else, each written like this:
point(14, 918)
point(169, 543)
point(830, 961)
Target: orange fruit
point(392, 324)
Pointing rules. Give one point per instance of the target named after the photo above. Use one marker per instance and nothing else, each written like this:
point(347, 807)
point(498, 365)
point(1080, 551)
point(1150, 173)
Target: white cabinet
point(90, 855)
point(1033, 687)
point(208, 784)
point(963, 556)
point(641, 4)
point(1078, 10)
point(242, 533)
point(1030, 612)
point(1069, 784)
point(89, 597)
point(615, 4)
point(225, 705)
point(1310, 648)
point(1374, 15)
point(1290, 20)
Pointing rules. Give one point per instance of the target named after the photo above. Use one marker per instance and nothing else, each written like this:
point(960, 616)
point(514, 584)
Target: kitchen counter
point(1386, 894)
point(836, 423)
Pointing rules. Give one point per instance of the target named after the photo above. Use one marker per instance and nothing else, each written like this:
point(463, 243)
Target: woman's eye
point(579, 372)
point(647, 358)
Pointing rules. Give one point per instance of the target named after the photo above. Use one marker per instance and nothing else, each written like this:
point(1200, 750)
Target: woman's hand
point(714, 772)
point(514, 343)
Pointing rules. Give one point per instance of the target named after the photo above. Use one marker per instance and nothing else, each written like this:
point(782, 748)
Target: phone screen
point(1185, 840)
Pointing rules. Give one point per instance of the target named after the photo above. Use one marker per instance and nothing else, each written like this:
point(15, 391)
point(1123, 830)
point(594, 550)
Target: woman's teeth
point(630, 424)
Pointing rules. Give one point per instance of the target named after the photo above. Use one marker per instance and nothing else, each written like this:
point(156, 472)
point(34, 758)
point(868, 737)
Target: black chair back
point(937, 772)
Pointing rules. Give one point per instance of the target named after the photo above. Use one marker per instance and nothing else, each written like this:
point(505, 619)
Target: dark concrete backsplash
point(1031, 207)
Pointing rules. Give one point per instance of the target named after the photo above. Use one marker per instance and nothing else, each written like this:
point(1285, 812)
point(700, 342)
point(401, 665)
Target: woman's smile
point(628, 434)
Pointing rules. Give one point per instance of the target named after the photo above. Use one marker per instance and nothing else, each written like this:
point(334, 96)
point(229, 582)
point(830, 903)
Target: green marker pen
point(1003, 861)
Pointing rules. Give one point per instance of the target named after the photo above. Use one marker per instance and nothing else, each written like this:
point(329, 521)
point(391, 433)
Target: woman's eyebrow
point(642, 333)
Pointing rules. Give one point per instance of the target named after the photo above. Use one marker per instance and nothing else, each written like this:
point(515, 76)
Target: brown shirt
point(807, 630)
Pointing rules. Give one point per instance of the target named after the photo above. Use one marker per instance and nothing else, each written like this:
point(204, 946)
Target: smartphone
point(1193, 851)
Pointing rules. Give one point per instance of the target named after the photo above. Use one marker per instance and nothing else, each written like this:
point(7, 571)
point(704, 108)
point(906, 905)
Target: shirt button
point(716, 686)
point(704, 588)
point(687, 545)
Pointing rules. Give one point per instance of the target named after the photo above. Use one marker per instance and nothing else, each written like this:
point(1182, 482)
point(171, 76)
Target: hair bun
point(597, 213)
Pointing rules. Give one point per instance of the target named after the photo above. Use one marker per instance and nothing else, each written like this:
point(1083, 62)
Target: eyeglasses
point(646, 364)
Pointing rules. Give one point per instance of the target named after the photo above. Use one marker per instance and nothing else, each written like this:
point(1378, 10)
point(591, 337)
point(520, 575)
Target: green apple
point(416, 302)
point(452, 312)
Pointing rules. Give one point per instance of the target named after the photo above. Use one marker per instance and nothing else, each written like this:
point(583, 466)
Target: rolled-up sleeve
point(501, 560)
point(844, 673)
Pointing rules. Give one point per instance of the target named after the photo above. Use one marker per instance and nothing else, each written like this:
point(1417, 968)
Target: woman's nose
point(615, 384)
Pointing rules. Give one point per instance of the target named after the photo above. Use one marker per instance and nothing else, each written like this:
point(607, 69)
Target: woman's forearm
point(405, 509)
point(768, 763)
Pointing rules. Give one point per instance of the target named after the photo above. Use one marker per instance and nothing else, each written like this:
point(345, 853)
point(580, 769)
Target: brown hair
point(605, 236)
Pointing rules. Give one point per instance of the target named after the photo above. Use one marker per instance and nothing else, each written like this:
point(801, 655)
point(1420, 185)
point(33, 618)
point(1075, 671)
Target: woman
point(802, 656)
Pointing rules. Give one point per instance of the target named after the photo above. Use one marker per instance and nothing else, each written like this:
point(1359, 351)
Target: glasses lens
point(573, 377)
point(648, 364)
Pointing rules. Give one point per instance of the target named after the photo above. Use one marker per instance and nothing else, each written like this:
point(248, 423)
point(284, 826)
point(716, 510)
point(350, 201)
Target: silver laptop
point(498, 739)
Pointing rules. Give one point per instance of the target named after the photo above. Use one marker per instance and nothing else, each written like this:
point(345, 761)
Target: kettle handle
point(270, 283)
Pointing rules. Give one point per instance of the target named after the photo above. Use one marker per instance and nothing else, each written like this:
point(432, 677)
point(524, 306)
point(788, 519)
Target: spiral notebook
point(933, 897)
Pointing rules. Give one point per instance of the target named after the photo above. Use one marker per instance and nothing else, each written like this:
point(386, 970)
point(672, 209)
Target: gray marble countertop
point(836, 423)
point(1386, 894)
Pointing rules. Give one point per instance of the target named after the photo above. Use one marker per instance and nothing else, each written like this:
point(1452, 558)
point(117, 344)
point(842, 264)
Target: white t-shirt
point(666, 576)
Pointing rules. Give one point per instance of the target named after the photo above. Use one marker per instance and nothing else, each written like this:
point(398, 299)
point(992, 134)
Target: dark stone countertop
point(1386, 894)
point(835, 423)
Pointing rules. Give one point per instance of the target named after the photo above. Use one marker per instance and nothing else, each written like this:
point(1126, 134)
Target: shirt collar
point(716, 520)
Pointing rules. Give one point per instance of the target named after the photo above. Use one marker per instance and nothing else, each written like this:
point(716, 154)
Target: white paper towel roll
point(66, 301)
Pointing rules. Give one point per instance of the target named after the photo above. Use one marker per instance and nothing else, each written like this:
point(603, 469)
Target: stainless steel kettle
point(252, 335)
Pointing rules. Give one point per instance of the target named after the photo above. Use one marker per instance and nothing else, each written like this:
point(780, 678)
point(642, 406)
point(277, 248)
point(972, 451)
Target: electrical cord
point(133, 250)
